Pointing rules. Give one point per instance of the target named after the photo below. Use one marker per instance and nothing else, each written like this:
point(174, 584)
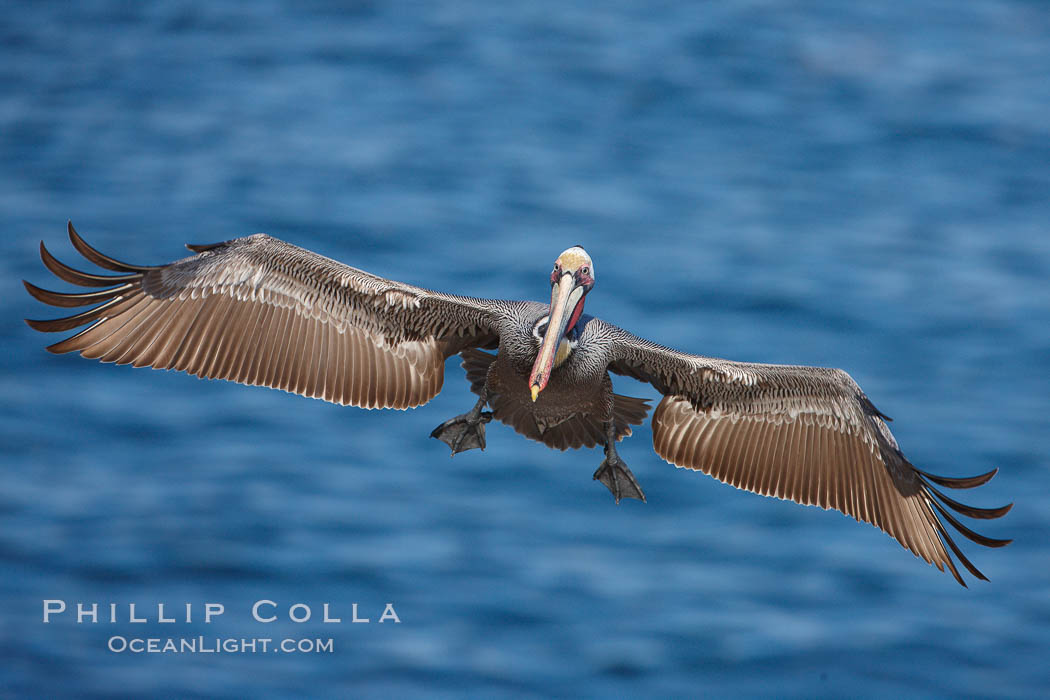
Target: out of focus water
point(856, 185)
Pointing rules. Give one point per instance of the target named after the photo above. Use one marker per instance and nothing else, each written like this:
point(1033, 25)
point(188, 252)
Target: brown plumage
point(256, 310)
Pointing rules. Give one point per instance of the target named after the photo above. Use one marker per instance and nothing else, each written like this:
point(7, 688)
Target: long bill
point(564, 297)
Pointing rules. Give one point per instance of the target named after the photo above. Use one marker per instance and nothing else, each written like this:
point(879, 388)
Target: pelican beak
point(565, 294)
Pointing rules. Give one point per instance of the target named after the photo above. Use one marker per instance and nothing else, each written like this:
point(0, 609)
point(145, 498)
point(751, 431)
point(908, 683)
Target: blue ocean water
point(864, 186)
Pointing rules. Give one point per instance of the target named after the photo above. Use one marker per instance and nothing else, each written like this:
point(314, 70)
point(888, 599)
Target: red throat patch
point(576, 313)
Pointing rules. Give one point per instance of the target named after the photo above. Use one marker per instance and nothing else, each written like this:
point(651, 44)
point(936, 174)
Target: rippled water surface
point(824, 183)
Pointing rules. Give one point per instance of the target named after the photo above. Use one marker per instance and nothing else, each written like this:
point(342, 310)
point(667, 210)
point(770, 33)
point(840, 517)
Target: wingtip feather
point(957, 482)
point(74, 276)
point(101, 259)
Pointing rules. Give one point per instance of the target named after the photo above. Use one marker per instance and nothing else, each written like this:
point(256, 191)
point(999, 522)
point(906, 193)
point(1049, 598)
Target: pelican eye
point(540, 329)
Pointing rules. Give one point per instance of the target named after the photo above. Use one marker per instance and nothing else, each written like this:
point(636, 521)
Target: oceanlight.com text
point(218, 645)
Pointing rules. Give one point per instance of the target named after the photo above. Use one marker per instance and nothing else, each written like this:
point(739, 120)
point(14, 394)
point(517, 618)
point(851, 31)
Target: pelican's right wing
point(260, 311)
point(806, 434)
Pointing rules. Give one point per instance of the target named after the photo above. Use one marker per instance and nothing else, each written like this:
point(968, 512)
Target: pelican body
point(259, 311)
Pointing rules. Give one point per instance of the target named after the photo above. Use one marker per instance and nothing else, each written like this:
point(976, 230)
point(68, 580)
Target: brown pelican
point(256, 310)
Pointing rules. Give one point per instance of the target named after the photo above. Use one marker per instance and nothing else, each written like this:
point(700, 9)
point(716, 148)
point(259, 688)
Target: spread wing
point(805, 434)
point(256, 310)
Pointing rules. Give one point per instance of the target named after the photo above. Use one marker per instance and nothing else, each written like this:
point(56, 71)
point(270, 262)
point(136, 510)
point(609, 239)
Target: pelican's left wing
point(257, 310)
point(806, 434)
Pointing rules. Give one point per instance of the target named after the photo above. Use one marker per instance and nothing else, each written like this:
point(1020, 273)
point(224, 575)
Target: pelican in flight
point(257, 310)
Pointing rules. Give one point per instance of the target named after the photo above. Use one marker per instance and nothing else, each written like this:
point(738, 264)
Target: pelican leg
point(614, 473)
point(465, 431)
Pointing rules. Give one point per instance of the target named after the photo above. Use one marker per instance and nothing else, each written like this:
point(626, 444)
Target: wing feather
point(806, 434)
point(256, 310)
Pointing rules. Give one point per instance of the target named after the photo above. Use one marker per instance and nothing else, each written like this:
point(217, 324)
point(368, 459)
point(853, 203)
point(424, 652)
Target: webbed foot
point(618, 479)
point(464, 432)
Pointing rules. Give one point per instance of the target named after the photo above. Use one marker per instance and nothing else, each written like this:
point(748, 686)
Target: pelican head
point(571, 279)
